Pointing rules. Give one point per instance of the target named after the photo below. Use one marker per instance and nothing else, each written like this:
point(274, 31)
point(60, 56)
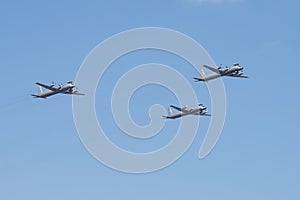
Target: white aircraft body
point(235, 71)
point(199, 110)
point(68, 88)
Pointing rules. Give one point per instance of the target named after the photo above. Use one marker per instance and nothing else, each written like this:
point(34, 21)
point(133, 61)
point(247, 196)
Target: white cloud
point(214, 1)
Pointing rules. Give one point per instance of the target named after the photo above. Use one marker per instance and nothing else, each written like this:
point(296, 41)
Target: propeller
point(74, 90)
point(203, 107)
point(52, 84)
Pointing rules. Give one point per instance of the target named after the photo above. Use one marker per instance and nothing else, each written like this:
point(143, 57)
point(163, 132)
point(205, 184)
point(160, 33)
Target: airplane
point(68, 88)
point(199, 110)
point(235, 71)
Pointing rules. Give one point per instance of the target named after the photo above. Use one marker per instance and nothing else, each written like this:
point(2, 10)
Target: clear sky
point(257, 156)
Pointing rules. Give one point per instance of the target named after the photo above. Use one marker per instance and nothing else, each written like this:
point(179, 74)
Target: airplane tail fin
point(170, 111)
point(40, 91)
point(202, 76)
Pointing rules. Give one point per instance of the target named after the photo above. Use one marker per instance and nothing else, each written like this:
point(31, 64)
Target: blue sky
point(257, 156)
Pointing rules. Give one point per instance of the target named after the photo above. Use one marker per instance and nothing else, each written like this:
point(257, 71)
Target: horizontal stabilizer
point(37, 96)
point(198, 79)
point(34, 95)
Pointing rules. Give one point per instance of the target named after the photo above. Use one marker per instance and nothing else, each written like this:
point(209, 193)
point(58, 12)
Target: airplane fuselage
point(197, 111)
point(62, 89)
point(226, 72)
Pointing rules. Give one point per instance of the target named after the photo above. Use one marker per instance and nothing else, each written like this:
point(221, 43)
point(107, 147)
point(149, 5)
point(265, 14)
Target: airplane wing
point(212, 69)
point(238, 76)
point(175, 107)
point(49, 87)
point(179, 109)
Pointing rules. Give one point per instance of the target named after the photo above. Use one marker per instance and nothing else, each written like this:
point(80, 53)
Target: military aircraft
point(199, 110)
point(68, 88)
point(235, 71)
